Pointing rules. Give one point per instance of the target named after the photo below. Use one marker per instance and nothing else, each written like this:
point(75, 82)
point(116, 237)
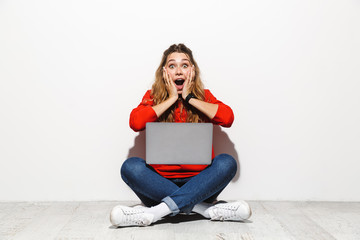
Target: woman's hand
point(188, 82)
point(170, 85)
point(209, 109)
point(173, 95)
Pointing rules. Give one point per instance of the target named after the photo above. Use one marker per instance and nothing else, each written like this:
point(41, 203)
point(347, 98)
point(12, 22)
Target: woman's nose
point(178, 71)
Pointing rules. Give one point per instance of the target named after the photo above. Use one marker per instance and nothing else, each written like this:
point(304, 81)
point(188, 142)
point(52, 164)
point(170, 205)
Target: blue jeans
point(180, 194)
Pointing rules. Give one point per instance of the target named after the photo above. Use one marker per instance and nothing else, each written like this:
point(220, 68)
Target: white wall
point(71, 72)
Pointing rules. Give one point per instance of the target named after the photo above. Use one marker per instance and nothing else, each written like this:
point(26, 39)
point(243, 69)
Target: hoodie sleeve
point(224, 115)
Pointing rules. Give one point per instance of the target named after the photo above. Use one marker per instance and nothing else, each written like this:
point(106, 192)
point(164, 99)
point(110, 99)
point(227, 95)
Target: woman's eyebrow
point(181, 60)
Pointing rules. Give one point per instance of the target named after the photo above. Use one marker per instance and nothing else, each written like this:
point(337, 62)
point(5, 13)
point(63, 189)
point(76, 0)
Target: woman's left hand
point(188, 82)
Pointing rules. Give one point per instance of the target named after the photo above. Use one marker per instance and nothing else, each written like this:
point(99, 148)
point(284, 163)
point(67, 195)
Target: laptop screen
point(179, 143)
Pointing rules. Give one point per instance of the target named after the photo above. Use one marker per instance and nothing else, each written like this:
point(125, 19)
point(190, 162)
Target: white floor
point(270, 220)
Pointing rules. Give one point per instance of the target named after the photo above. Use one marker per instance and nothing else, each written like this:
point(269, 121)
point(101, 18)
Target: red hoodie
point(144, 113)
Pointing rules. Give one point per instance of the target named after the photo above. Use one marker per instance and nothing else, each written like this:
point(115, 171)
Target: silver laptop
point(179, 143)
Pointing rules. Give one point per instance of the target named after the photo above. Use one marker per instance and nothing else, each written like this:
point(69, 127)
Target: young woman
point(178, 95)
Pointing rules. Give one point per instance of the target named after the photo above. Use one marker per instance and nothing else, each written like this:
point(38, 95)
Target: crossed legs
point(171, 196)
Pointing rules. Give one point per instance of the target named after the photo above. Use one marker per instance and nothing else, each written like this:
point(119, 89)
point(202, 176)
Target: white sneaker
point(139, 206)
point(233, 211)
point(122, 216)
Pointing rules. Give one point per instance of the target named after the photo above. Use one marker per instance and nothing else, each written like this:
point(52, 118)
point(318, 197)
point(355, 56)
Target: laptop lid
point(179, 143)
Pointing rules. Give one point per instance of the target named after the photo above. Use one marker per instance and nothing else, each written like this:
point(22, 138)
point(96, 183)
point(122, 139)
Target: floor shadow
point(221, 143)
point(138, 150)
point(180, 218)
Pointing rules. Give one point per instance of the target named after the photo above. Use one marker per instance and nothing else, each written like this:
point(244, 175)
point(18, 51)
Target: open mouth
point(179, 82)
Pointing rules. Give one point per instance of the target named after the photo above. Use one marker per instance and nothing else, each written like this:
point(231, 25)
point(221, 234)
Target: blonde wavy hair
point(160, 94)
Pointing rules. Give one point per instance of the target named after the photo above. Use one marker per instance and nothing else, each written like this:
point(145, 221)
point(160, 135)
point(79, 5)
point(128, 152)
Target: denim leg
point(213, 197)
point(152, 188)
point(147, 184)
point(209, 182)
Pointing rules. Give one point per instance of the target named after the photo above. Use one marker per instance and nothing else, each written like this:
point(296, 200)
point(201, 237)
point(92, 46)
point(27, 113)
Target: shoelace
point(134, 216)
point(225, 211)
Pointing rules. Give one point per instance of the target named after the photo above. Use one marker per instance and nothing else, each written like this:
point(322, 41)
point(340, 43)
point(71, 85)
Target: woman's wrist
point(173, 98)
point(162, 107)
point(188, 97)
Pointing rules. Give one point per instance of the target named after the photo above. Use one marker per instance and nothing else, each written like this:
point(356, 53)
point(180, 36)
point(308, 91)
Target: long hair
point(160, 94)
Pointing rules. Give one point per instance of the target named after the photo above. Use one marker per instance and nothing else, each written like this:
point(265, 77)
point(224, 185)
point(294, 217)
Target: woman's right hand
point(170, 85)
point(173, 95)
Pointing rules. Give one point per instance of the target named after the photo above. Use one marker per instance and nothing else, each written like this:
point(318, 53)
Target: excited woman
point(178, 95)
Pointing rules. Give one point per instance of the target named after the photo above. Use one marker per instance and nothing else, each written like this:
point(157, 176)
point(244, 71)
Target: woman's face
point(178, 66)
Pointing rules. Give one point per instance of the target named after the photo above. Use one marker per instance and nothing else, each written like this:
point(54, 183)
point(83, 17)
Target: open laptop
point(179, 143)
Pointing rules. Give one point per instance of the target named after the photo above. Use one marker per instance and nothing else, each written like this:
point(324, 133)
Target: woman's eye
point(185, 66)
point(171, 66)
